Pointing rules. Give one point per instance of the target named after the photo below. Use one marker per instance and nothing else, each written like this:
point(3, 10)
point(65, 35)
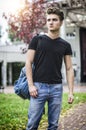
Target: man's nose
point(51, 21)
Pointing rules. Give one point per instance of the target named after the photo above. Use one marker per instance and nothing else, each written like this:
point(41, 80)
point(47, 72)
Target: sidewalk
point(75, 119)
point(77, 88)
point(80, 87)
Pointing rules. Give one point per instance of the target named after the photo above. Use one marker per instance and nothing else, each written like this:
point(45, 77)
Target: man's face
point(53, 22)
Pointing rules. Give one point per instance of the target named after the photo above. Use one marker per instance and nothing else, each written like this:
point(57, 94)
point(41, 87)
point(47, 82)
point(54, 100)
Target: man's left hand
point(70, 99)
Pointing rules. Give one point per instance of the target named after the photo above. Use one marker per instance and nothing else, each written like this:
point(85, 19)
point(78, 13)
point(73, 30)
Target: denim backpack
point(21, 85)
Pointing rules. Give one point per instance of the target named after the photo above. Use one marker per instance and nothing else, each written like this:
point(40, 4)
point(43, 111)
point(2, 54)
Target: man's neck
point(53, 35)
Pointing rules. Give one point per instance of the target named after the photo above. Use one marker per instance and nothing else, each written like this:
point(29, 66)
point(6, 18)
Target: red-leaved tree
point(28, 20)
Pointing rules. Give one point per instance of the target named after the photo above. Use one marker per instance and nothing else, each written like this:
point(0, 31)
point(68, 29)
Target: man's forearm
point(29, 74)
point(70, 80)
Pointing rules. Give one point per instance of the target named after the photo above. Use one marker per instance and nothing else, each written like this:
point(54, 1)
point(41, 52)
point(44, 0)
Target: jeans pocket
point(58, 87)
point(37, 85)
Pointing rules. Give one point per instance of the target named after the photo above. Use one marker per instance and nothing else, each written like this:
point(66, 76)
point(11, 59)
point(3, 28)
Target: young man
point(45, 84)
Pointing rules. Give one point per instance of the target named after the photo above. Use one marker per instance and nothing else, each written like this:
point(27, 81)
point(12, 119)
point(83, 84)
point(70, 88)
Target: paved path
point(77, 88)
point(75, 119)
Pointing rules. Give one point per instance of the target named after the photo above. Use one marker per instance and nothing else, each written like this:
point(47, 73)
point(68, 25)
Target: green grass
point(14, 110)
point(78, 98)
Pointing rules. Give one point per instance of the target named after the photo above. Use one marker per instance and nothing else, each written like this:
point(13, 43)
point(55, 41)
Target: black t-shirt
point(48, 58)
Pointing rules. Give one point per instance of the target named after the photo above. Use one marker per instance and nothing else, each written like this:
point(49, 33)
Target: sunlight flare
point(12, 6)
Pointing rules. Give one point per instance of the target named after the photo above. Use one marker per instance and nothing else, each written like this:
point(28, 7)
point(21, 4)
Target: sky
point(8, 6)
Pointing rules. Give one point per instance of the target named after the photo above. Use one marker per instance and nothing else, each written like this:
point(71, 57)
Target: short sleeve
point(33, 43)
point(68, 50)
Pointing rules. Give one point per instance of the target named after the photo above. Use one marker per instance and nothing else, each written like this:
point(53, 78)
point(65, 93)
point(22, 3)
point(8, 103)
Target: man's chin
point(53, 30)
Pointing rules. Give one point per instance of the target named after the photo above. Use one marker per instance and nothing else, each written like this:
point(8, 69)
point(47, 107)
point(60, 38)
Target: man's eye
point(48, 20)
point(55, 19)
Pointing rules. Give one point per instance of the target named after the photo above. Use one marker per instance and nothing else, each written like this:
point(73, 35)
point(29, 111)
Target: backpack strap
point(39, 39)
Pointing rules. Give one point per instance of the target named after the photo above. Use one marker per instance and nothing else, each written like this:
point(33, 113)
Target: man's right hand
point(33, 91)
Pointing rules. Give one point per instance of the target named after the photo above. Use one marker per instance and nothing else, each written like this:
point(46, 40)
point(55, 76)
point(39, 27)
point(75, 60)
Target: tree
point(27, 21)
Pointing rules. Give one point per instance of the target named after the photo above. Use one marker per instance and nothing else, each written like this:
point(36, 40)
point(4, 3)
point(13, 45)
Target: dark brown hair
point(55, 10)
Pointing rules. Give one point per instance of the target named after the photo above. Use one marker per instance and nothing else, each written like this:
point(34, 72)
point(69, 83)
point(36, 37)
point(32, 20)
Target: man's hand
point(70, 99)
point(33, 91)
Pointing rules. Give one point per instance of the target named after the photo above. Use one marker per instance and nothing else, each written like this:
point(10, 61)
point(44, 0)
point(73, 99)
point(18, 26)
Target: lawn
point(14, 110)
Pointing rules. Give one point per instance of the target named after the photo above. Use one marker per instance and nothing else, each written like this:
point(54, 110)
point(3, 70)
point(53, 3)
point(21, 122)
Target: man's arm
point(29, 62)
point(70, 77)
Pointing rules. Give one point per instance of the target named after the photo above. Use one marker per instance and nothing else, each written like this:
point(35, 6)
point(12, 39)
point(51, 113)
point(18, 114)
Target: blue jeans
point(52, 93)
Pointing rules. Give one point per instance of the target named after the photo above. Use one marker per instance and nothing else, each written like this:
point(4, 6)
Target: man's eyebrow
point(52, 19)
point(49, 19)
